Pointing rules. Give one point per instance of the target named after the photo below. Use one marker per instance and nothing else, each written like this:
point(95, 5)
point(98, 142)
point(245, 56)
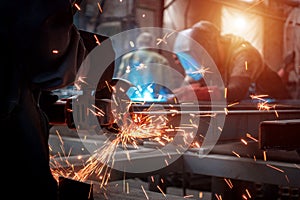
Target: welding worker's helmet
point(208, 36)
point(145, 40)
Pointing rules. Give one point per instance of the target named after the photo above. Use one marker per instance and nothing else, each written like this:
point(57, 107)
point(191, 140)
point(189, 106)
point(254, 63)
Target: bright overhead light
point(240, 23)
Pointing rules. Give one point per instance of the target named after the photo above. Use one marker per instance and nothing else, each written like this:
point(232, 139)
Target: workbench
point(229, 158)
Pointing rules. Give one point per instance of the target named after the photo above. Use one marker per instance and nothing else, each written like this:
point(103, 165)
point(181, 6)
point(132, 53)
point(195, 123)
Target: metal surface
point(245, 169)
point(239, 119)
point(220, 162)
point(141, 162)
point(227, 166)
point(280, 134)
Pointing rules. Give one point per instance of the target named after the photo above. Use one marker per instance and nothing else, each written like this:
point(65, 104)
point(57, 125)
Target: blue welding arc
point(190, 65)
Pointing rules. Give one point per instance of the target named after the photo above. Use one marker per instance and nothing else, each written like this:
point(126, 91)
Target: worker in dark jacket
point(240, 64)
point(41, 50)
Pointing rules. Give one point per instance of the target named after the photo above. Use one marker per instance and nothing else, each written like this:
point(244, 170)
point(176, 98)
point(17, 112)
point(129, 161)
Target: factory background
point(273, 27)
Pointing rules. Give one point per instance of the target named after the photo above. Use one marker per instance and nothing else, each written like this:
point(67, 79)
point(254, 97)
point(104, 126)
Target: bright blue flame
point(190, 65)
point(149, 93)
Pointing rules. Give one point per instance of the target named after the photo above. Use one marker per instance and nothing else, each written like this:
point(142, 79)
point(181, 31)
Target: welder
point(240, 64)
point(42, 50)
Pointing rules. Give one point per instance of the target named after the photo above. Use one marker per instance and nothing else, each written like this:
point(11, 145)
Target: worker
point(146, 67)
point(42, 51)
point(240, 64)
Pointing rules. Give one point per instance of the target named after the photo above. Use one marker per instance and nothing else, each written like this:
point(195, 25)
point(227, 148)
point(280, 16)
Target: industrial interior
point(133, 145)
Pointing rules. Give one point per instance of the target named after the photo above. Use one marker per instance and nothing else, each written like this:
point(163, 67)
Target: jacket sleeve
point(62, 72)
point(243, 67)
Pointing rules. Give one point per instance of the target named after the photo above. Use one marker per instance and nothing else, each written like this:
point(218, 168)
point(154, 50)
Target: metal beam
point(246, 169)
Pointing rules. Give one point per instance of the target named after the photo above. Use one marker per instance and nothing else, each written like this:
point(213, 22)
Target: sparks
point(81, 80)
point(236, 154)
point(167, 164)
point(202, 71)
point(246, 65)
point(161, 190)
point(229, 183)
point(248, 193)
point(254, 158)
point(144, 192)
point(188, 196)
point(200, 195)
point(287, 178)
point(219, 197)
point(225, 92)
point(152, 179)
point(141, 66)
point(77, 6)
point(127, 188)
point(97, 40)
point(259, 97)
point(276, 113)
point(131, 43)
point(99, 7)
point(162, 40)
point(252, 138)
point(226, 111)
point(276, 168)
point(132, 127)
point(265, 155)
point(232, 104)
point(244, 141)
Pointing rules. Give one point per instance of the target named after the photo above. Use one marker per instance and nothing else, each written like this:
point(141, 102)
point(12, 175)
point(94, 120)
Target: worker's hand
point(195, 92)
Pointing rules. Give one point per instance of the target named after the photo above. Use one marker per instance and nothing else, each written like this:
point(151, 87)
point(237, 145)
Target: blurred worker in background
point(133, 65)
point(240, 64)
point(43, 51)
point(147, 67)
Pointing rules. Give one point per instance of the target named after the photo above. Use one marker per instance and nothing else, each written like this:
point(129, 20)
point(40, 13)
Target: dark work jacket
point(238, 78)
point(29, 32)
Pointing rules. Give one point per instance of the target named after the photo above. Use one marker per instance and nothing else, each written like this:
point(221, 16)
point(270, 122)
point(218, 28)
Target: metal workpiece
point(230, 146)
point(247, 164)
point(240, 119)
point(243, 168)
point(280, 134)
